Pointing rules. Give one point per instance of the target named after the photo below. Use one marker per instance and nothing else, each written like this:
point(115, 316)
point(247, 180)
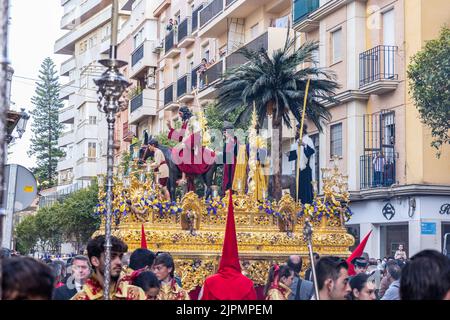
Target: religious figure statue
point(305, 174)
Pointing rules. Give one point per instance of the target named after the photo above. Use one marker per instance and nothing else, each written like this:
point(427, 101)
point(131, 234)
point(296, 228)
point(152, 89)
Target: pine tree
point(46, 128)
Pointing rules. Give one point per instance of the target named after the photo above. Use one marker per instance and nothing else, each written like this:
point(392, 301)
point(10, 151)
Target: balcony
point(67, 66)
point(127, 132)
point(88, 131)
point(184, 89)
point(171, 49)
point(169, 97)
point(207, 80)
point(67, 90)
point(162, 7)
point(64, 164)
point(213, 18)
point(378, 171)
point(377, 70)
point(301, 9)
point(66, 138)
point(308, 13)
point(195, 18)
point(86, 167)
point(67, 115)
point(142, 106)
point(185, 37)
point(143, 58)
point(271, 40)
point(82, 12)
point(261, 42)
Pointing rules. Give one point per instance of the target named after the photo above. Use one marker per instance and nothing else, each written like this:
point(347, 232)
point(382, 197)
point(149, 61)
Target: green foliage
point(77, 216)
point(165, 141)
point(71, 220)
point(429, 85)
point(26, 235)
point(215, 118)
point(46, 127)
point(125, 161)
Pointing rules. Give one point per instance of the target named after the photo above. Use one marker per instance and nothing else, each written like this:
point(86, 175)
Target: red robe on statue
point(195, 163)
point(229, 283)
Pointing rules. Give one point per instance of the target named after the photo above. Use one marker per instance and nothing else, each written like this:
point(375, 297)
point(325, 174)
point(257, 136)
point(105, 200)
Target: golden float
point(192, 229)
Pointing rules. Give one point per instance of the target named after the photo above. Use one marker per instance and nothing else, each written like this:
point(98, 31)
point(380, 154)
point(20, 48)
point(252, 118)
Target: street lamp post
point(4, 101)
point(111, 86)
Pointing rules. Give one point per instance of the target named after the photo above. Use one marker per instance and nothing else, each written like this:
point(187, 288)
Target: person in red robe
point(228, 283)
point(199, 159)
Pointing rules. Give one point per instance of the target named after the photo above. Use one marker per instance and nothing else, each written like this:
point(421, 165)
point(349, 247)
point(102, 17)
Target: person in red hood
point(228, 283)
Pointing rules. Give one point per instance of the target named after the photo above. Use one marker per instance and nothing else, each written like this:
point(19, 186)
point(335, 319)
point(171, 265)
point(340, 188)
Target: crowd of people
point(144, 275)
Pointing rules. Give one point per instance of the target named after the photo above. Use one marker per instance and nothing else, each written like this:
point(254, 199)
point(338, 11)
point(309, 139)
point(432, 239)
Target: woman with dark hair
point(164, 269)
point(279, 283)
point(148, 282)
point(362, 288)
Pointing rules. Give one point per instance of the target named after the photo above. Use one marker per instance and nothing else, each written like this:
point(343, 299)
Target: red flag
point(357, 253)
point(143, 239)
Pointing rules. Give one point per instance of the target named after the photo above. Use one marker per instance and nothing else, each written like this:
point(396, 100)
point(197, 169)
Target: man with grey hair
point(80, 272)
point(393, 292)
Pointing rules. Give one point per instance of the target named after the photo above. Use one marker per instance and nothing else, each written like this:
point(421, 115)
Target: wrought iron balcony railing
point(137, 102)
point(301, 8)
point(378, 169)
point(376, 64)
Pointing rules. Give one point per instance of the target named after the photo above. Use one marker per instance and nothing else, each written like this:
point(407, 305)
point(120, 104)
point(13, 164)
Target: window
point(336, 140)
point(106, 32)
point(92, 120)
point(92, 150)
point(316, 57)
point(138, 38)
point(205, 52)
point(254, 31)
point(389, 28)
point(336, 45)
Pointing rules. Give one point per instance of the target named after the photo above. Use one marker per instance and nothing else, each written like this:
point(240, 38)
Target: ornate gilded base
point(195, 238)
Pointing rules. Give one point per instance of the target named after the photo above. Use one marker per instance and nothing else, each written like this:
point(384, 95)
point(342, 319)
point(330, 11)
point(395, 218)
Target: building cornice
point(312, 21)
point(400, 191)
point(346, 96)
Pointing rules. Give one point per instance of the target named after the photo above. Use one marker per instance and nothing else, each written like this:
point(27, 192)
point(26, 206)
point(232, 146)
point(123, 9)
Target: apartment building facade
point(87, 40)
point(169, 41)
point(398, 187)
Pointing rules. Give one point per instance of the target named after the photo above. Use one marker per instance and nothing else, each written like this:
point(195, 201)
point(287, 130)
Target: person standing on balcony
point(378, 167)
point(169, 26)
point(201, 72)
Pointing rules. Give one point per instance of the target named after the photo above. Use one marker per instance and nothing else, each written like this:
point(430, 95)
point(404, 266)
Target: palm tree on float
point(277, 87)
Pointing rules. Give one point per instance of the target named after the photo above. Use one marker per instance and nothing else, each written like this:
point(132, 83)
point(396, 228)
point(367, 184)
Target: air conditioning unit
point(159, 47)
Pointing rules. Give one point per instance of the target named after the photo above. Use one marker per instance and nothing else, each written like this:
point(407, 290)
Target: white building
point(86, 41)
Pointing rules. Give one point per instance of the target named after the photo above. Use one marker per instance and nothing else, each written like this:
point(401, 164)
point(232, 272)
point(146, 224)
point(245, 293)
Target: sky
point(34, 28)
